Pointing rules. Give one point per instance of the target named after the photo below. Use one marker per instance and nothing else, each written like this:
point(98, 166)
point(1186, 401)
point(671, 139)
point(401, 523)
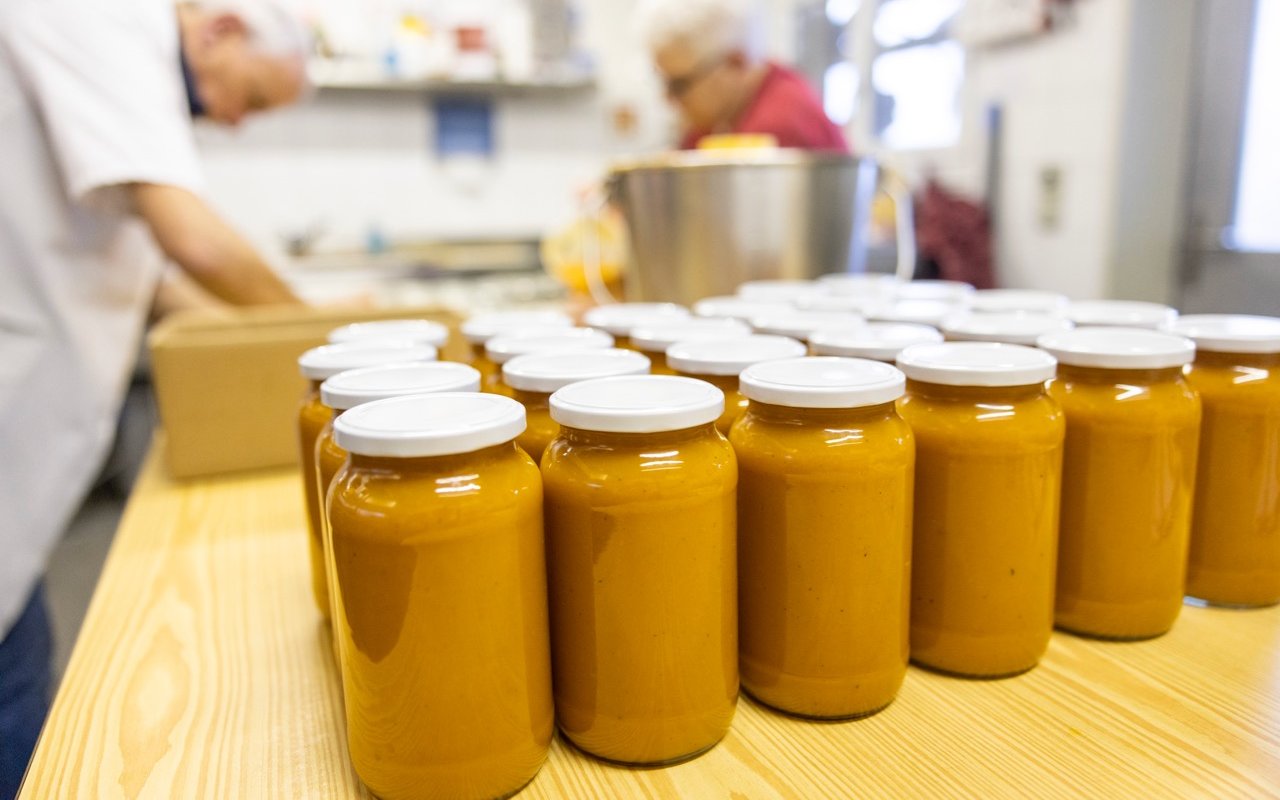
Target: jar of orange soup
point(824, 535)
point(721, 362)
point(355, 387)
point(1023, 328)
point(479, 329)
point(618, 319)
point(504, 347)
point(440, 573)
point(317, 365)
point(418, 331)
point(1235, 528)
point(642, 566)
point(1128, 476)
point(654, 339)
point(879, 341)
point(534, 377)
point(988, 475)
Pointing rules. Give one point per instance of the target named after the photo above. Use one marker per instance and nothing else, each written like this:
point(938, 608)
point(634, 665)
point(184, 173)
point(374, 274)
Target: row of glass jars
point(636, 561)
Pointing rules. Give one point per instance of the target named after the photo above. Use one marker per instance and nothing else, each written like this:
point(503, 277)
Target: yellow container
point(346, 390)
point(479, 329)
point(824, 535)
point(720, 362)
point(653, 339)
point(801, 325)
point(1009, 328)
point(418, 331)
point(988, 475)
point(533, 378)
point(1235, 529)
point(1128, 476)
point(504, 347)
point(317, 365)
point(642, 568)
point(439, 560)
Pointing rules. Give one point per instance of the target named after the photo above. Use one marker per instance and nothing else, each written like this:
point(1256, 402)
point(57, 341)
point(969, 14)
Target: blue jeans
point(25, 675)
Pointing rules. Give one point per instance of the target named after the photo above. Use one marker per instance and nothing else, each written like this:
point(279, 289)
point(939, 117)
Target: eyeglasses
point(681, 84)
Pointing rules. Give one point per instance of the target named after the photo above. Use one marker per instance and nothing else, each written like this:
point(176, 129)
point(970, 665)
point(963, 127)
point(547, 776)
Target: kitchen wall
point(1088, 192)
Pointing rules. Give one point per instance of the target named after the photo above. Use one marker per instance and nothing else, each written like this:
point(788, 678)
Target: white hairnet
point(710, 28)
point(276, 27)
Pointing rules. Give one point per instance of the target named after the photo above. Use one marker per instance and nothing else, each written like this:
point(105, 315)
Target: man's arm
point(206, 247)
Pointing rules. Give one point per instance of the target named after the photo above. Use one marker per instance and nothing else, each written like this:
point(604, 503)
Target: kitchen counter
point(203, 670)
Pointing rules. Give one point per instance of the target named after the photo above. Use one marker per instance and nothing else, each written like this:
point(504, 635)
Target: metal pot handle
point(593, 206)
point(904, 229)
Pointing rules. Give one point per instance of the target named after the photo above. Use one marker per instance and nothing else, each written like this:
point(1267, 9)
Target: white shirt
point(91, 97)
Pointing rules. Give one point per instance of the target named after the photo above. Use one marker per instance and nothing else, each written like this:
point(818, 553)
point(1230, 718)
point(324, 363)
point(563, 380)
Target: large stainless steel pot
point(701, 223)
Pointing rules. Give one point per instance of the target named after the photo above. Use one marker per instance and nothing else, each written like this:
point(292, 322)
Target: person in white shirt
point(101, 188)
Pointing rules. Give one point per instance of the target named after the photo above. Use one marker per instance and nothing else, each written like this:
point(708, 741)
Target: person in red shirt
point(704, 54)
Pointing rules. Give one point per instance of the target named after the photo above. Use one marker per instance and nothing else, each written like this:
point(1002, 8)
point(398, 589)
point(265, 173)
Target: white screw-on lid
point(1121, 314)
point(321, 363)
point(618, 319)
point(946, 291)
point(730, 356)
point(802, 324)
point(358, 386)
point(1118, 348)
point(547, 372)
point(657, 338)
point(738, 308)
point(503, 348)
point(916, 312)
point(637, 404)
point(1230, 333)
point(999, 301)
point(1007, 328)
point(865, 284)
point(777, 290)
point(977, 364)
point(483, 327)
point(851, 303)
point(429, 425)
point(821, 382)
point(423, 331)
point(881, 341)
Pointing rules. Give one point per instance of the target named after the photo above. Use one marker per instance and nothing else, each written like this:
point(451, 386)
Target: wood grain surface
point(202, 671)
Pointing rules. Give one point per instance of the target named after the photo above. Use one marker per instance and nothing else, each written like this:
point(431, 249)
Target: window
point(916, 74)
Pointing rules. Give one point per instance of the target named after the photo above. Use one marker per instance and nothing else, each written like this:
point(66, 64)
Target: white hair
point(276, 27)
point(710, 28)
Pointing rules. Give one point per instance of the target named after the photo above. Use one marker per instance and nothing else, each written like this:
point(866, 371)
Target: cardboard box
point(227, 382)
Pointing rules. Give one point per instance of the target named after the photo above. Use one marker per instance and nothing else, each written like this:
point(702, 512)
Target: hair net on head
point(276, 27)
point(710, 28)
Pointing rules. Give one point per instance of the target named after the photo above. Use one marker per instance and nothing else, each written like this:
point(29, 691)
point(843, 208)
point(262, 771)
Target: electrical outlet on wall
point(1049, 205)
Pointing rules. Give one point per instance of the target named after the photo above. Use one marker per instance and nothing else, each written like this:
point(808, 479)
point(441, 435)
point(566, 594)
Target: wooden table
point(202, 670)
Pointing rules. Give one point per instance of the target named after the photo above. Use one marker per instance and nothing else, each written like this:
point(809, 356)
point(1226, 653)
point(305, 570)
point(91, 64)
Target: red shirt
point(786, 107)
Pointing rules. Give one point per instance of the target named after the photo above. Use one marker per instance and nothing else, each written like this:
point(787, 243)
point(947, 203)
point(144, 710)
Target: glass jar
point(1128, 476)
point(504, 347)
point(419, 331)
point(479, 329)
point(1016, 301)
point(1120, 314)
point(346, 390)
point(317, 365)
point(618, 319)
point(988, 475)
point(721, 362)
point(440, 574)
point(800, 325)
point(879, 341)
point(824, 535)
point(739, 308)
point(1010, 328)
point(534, 377)
point(642, 566)
point(653, 340)
point(1235, 525)
point(780, 291)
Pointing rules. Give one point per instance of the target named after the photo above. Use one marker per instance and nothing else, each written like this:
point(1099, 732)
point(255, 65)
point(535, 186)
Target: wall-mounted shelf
point(368, 78)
